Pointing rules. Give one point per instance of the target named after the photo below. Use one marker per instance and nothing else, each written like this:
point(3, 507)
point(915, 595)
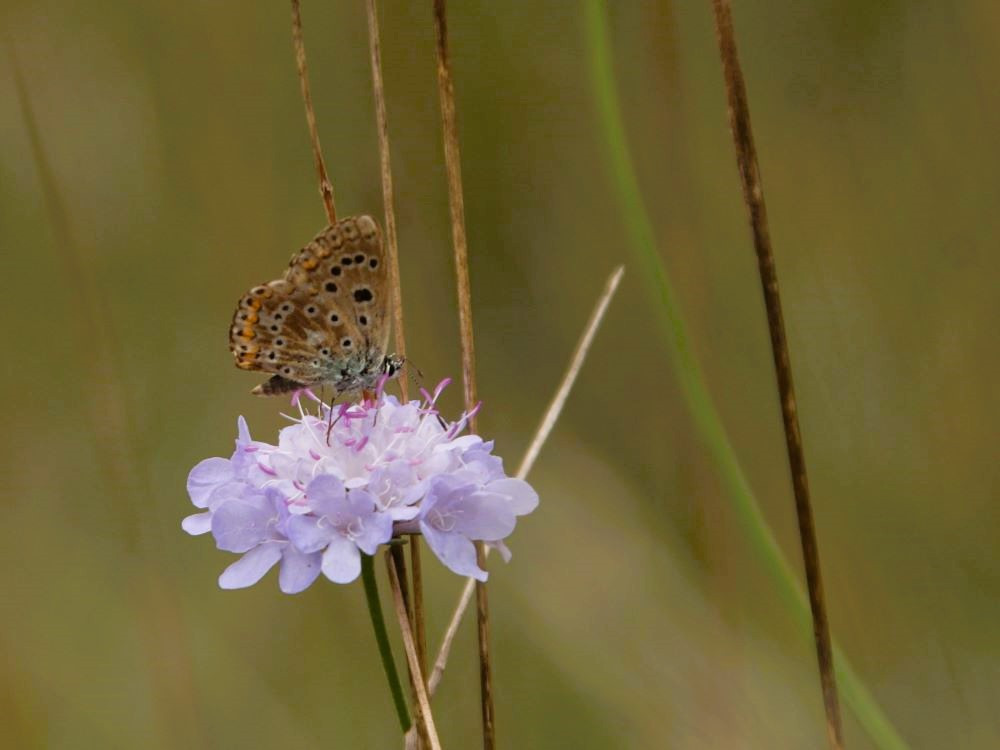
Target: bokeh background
point(635, 613)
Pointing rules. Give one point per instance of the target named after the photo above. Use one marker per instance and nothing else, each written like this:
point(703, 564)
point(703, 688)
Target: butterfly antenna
point(414, 373)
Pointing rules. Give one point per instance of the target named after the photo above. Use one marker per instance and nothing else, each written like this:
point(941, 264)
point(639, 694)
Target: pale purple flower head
point(317, 505)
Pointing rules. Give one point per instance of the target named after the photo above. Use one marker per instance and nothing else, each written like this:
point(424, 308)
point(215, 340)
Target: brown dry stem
point(325, 186)
point(753, 195)
point(453, 166)
point(392, 250)
point(541, 435)
point(424, 717)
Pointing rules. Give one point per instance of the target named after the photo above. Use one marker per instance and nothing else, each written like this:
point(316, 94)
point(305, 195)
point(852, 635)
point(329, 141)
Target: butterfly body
point(325, 322)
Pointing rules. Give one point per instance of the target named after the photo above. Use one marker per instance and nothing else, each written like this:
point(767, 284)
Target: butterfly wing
point(324, 323)
point(347, 262)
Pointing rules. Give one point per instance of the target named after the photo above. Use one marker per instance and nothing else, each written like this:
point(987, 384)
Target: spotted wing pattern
point(325, 321)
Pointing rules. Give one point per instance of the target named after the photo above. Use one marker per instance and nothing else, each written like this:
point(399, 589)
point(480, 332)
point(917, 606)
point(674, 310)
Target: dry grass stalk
point(424, 717)
point(388, 197)
point(753, 195)
point(453, 167)
point(392, 250)
point(325, 186)
point(541, 435)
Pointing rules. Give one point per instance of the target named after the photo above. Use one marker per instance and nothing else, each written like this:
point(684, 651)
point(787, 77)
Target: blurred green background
point(635, 613)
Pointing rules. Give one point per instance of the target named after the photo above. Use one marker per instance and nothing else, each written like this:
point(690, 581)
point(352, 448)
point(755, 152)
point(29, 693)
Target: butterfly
point(325, 322)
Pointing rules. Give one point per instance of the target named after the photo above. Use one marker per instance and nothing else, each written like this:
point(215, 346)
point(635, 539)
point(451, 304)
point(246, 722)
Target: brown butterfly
point(325, 323)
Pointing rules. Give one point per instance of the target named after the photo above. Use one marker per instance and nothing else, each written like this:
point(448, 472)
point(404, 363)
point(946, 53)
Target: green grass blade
point(382, 640)
point(695, 392)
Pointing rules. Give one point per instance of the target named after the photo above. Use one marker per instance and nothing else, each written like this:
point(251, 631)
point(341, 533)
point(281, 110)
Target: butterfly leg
point(331, 422)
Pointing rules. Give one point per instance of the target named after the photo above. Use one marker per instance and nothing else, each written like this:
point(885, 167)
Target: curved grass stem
point(382, 640)
point(688, 372)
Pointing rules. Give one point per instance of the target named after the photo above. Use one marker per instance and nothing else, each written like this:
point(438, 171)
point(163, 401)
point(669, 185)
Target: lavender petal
point(455, 551)
point(298, 570)
point(205, 477)
point(251, 567)
point(341, 561)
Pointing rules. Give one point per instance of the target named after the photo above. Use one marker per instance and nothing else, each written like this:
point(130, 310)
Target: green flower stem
point(382, 639)
point(688, 372)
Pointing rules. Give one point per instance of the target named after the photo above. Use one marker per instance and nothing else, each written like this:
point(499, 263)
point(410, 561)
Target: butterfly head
point(392, 364)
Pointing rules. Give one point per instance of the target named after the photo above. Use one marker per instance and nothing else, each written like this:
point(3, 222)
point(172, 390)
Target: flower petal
point(243, 432)
point(234, 491)
point(205, 477)
point(377, 530)
point(298, 570)
point(326, 494)
point(308, 533)
point(341, 561)
point(403, 512)
point(483, 515)
point(360, 503)
point(520, 496)
point(251, 567)
point(239, 526)
point(502, 549)
point(454, 550)
point(199, 523)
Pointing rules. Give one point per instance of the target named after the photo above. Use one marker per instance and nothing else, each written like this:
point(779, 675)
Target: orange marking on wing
point(310, 263)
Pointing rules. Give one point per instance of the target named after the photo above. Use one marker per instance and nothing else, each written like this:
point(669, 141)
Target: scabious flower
point(323, 496)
